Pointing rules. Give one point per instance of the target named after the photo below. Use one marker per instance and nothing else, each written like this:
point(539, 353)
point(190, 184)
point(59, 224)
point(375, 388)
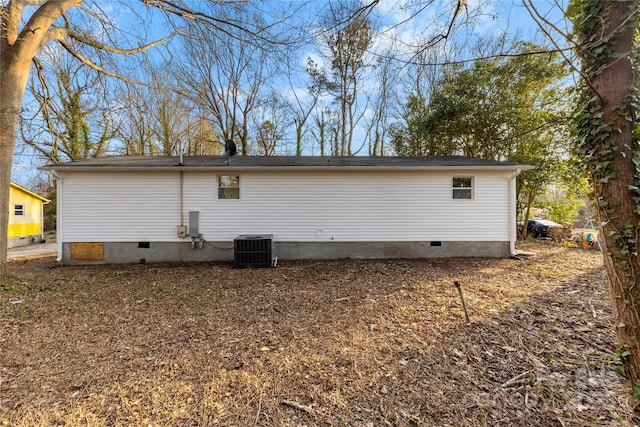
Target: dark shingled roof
point(281, 162)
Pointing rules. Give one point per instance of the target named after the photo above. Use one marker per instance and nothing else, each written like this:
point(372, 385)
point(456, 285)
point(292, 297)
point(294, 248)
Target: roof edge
point(285, 163)
point(279, 168)
point(26, 190)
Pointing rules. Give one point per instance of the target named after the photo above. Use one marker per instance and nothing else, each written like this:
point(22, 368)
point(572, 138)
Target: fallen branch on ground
point(297, 405)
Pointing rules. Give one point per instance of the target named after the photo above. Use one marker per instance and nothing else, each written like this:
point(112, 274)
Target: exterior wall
point(131, 207)
point(305, 211)
point(25, 229)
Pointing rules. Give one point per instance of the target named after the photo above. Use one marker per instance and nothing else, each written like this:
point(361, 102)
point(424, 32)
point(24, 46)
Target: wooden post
point(464, 306)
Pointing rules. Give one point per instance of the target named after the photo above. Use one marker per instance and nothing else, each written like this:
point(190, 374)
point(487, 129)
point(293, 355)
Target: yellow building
point(26, 217)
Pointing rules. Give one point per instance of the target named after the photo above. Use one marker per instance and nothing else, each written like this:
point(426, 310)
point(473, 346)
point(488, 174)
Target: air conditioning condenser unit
point(253, 251)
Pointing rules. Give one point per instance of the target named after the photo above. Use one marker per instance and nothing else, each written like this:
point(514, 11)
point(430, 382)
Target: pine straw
point(349, 342)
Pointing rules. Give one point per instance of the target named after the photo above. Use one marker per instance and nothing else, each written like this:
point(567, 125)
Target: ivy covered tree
point(70, 122)
point(606, 127)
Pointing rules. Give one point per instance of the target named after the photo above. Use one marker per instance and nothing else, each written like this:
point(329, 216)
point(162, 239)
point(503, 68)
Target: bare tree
point(306, 103)
point(224, 74)
point(154, 119)
point(201, 138)
point(273, 118)
point(347, 45)
point(382, 106)
point(171, 118)
point(321, 118)
point(136, 128)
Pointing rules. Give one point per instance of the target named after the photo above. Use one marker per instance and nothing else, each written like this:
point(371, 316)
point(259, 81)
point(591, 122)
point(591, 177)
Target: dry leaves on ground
point(316, 343)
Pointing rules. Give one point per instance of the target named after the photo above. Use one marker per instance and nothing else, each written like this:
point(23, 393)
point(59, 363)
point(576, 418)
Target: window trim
point(221, 188)
point(470, 188)
point(18, 210)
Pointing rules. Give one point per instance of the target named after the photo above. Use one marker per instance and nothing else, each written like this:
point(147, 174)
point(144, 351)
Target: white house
point(201, 208)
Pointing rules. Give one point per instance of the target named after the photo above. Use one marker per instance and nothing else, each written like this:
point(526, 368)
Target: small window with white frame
point(462, 187)
point(228, 187)
point(18, 210)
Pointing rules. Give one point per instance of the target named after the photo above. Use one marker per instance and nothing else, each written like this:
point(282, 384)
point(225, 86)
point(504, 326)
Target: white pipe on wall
point(59, 204)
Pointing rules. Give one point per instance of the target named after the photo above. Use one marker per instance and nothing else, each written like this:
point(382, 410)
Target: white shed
point(202, 208)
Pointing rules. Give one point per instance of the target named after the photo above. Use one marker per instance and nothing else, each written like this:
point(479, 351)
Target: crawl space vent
point(253, 251)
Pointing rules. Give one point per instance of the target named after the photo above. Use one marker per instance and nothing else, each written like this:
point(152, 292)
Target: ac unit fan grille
point(252, 251)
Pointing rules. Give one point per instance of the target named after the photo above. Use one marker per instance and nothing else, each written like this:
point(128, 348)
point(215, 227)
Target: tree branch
point(60, 33)
point(539, 19)
point(95, 66)
point(36, 29)
point(43, 81)
point(480, 58)
point(10, 19)
point(186, 13)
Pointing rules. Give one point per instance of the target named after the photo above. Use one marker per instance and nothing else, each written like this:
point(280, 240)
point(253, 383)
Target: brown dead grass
point(349, 342)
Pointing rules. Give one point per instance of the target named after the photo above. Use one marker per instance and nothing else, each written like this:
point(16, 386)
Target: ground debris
point(297, 405)
point(360, 342)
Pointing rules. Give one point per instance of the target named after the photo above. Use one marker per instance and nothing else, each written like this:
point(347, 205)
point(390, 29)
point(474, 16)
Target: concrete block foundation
point(142, 252)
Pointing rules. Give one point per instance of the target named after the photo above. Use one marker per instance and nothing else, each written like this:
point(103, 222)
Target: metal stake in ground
point(464, 306)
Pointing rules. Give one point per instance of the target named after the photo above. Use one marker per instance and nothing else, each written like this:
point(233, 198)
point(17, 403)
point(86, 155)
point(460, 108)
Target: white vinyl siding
point(373, 206)
point(120, 207)
point(349, 206)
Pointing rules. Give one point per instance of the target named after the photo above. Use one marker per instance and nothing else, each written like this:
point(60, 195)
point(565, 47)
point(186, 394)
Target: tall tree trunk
point(299, 125)
point(15, 73)
point(606, 121)
point(18, 46)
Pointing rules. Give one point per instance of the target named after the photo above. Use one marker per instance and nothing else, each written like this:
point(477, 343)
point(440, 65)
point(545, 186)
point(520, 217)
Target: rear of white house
point(153, 209)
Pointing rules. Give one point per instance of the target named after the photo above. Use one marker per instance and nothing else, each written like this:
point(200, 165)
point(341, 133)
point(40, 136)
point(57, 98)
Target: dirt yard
point(331, 343)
